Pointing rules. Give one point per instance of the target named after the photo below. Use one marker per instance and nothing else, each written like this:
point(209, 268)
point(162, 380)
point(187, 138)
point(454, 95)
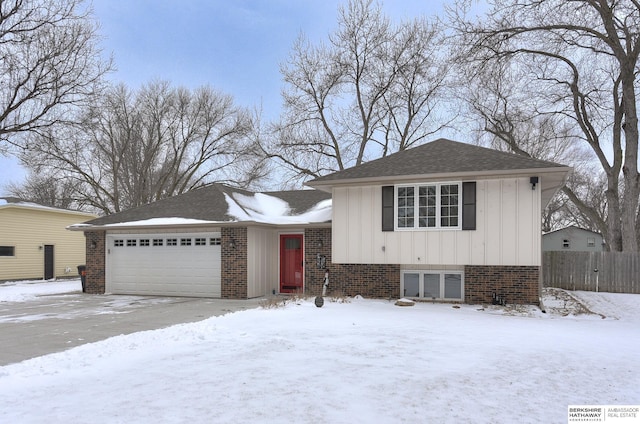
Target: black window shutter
point(388, 194)
point(469, 205)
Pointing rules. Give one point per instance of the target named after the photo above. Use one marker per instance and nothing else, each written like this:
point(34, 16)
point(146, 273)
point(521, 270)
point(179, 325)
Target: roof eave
point(48, 209)
point(398, 179)
point(161, 227)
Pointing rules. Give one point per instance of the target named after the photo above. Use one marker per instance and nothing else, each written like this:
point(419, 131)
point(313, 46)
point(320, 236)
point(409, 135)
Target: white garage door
point(168, 264)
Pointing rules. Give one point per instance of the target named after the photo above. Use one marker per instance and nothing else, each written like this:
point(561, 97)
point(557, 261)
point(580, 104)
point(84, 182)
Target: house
point(573, 239)
point(442, 221)
point(34, 243)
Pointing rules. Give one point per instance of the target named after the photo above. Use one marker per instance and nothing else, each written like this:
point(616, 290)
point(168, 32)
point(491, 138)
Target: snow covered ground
point(23, 291)
point(361, 361)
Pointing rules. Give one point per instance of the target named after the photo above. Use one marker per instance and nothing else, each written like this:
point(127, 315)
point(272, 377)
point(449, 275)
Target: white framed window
point(435, 285)
point(185, 242)
point(131, 242)
point(215, 241)
point(429, 206)
point(566, 244)
point(118, 243)
point(200, 241)
point(158, 242)
point(172, 242)
point(144, 242)
point(591, 242)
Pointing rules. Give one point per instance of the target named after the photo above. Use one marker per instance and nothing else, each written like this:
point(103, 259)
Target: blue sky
point(234, 46)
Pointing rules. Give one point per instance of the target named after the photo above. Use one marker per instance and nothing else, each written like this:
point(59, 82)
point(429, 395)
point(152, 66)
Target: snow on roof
point(159, 221)
point(144, 222)
point(272, 210)
point(31, 205)
point(259, 207)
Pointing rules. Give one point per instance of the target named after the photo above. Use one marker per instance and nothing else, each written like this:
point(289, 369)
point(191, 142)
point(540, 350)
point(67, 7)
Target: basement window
point(7, 250)
point(435, 285)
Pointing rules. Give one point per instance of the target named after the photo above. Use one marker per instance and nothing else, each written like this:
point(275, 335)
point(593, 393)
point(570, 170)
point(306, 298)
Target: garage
point(166, 264)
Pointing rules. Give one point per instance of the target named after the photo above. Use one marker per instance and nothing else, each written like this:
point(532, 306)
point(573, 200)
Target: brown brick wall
point(515, 284)
point(368, 280)
point(95, 242)
point(234, 263)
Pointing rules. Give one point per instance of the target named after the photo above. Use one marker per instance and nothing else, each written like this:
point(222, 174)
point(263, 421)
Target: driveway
point(56, 323)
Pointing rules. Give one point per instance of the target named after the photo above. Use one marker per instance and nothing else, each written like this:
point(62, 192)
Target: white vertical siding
point(340, 224)
point(262, 261)
point(492, 220)
point(507, 229)
point(509, 222)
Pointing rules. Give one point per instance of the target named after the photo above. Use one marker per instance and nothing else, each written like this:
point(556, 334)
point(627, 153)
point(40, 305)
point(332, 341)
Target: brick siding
point(234, 263)
point(367, 280)
point(95, 245)
point(515, 284)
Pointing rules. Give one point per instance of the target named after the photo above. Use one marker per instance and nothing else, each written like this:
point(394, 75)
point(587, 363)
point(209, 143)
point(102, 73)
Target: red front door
point(291, 263)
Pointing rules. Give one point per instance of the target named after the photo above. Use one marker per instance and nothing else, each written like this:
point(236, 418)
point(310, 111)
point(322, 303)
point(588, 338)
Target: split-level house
point(444, 221)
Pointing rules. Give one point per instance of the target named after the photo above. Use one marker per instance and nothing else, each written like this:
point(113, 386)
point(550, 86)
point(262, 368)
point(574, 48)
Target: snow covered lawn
point(363, 361)
point(23, 291)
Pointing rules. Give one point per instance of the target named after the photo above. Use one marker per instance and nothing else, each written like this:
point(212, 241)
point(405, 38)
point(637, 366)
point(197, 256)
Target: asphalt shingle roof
point(441, 156)
point(208, 204)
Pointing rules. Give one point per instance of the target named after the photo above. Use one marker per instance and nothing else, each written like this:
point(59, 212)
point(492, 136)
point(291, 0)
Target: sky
point(234, 46)
point(353, 360)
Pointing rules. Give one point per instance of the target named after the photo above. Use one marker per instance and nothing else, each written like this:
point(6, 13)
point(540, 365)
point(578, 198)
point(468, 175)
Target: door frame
point(281, 238)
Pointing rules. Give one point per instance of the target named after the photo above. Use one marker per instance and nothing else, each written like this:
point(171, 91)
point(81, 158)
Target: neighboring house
point(442, 221)
point(573, 239)
point(34, 242)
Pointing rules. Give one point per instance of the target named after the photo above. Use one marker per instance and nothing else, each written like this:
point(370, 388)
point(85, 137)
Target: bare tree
point(135, 148)
point(368, 92)
point(47, 191)
point(576, 64)
point(49, 61)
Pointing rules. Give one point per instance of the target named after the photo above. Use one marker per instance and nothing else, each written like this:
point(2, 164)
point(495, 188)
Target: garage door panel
point(181, 270)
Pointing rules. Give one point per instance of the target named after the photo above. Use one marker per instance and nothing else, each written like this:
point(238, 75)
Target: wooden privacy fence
point(618, 272)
